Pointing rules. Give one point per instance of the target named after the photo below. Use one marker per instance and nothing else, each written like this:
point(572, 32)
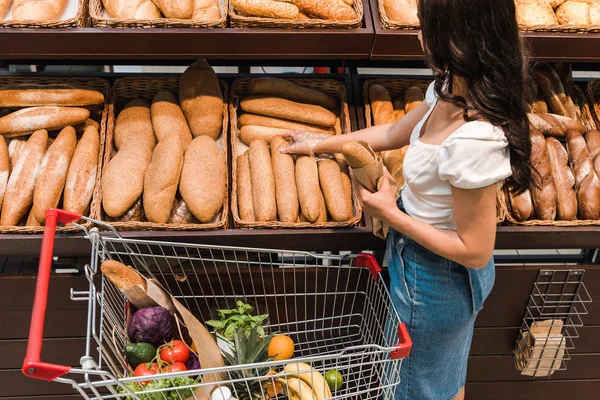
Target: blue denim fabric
point(438, 300)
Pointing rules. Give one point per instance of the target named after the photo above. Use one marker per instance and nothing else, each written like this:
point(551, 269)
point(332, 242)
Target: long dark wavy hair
point(478, 40)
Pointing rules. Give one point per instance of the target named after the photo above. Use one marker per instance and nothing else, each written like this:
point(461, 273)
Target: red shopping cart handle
point(32, 365)
point(368, 261)
point(402, 349)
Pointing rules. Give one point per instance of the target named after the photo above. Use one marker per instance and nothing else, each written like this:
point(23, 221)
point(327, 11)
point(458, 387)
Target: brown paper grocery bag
point(370, 178)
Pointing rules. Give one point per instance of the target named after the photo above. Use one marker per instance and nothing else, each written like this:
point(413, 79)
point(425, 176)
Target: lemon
point(334, 379)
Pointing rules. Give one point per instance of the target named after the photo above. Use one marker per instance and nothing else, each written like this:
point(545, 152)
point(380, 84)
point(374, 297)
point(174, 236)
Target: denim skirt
point(438, 300)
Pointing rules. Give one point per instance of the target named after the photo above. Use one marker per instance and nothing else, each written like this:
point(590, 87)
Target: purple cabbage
point(152, 325)
point(193, 362)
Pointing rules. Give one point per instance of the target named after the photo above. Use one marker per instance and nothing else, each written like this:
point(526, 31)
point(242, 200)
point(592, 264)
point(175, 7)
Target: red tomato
point(174, 351)
point(145, 369)
point(176, 367)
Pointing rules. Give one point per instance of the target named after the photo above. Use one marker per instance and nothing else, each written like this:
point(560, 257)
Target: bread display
point(158, 13)
point(131, 9)
point(38, 10)
point(587, 184)
point(286, 192)
point(563, 180)
point(52, 174)
point(181, 9)
point(578, 12)
point(266, 8)
point(403, 12)
point(548, 14)
point(27, 120)
point(291, 91)
point(327, 9)
point(532, 13)
point(201, 99)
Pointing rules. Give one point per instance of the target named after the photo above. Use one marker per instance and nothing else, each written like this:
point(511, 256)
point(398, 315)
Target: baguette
point(555, 125)
point(327, 9)
point(412, 98)
point(42, 95)
point(133, 127)
point(381, 105)
point(162, 178)
point(288, 90)
point(544, 192)
point(357, 156)
point(287, 109)
point(569, 124)
point(32, 220)
point(260, 120)
point(330, 177)
point(4, 168)
point(122, 276)
point(14, 149)
point(521, 206)
point(549, 82)
point(309, 191)
point(203, 183)
point(19, 191)
point(286, 192)
point(592, 140)
point(263, 181)
point(266, 8)
point(244, 189)
point(563, 180)
point(168, 119)
point(52, 176)
point(587, 184)
point(180, 213)
point(322, 209)
point(201, 100)
point(83, 170)
point(250, 133)
point(180, 9)
point(38, 10)
point(398, 109)
point(31, 119)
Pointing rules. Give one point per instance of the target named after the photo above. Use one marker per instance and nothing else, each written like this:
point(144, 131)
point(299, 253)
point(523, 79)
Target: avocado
point(137, 353)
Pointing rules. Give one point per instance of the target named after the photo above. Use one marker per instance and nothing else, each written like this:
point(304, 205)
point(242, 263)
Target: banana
point(312, 377)
point(301, 388)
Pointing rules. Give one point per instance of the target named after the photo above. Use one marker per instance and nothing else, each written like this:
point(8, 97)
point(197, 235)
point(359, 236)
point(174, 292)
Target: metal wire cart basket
point(337, 310)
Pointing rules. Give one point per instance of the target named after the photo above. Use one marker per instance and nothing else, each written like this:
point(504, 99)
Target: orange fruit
point(281, 348)
point(273, 387)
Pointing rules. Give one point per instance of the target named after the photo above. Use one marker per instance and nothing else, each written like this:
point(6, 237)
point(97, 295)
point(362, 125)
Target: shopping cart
point(336, 308)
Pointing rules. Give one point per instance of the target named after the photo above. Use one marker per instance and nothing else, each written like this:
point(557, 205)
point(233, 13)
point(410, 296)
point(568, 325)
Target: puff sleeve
point(475, 157)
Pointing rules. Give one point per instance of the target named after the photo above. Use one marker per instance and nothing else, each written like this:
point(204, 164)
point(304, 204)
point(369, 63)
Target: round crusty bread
point(121, 275)
point(203, 183)
point(162, 178)
point(357, 156)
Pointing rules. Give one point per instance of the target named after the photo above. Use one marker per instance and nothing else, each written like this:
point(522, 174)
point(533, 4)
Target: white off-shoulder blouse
point(474, 156)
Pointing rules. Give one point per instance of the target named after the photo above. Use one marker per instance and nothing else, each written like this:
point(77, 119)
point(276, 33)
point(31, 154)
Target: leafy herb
point(237, 319)
point(176, 394)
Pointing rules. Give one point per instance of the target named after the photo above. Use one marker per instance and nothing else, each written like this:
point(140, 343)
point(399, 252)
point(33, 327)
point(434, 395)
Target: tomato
point(176, 367)
point(145, 369)
point(174, 351)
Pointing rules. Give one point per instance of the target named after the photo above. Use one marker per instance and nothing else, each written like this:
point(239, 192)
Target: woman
point(470, 135)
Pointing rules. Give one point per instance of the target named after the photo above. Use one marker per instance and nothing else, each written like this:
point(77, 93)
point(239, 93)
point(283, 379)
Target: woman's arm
point(471, 245)
point(380, 137)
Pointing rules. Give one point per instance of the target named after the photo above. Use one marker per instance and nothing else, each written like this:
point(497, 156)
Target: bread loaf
point(14, 149)
point(401, 11)
point(168, 119)
point(534, 13)
point(288, 90)
point(81, 177)
point(287, 109)
point(201, 100)
point(569, 124)
point(180, 213)
point(135, 214)
point(412, 98)
point(587, 184)
point(327, 9)
point(555, 125)
point(4, 6)
point(203, 183)
point(181, 9)
point(19, 191)
point(549, 82)
point(381, 105)
point(244, 189)
point(539, 106)
point(263, 181)
point(52, 176)
point(330, 178)
point(27, 120)
point(398, 109)
point(309, 191)
point(579, 12)
point(131, 9)
point(563, 180)
point(133, 127)
point(31, 220)
point(122, 276)
point(544, 192)
point(285, 182)
point(357, 156)
point(322, 209)
point(206, 10)
point(592, 140)
point(42, 95)
point(266, 8)
point(261, 120)
point(249, 133)
point(38, 10)
point(162, 178)
point(521, 206)
point(4, 168)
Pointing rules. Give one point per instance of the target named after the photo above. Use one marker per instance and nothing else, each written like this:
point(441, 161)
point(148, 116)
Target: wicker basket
point(100, 19)
point(240, 89)
point(593, 96)
point(99, 114)
point(78, 20)
point(126, 89)
point(388, 23)
point(397, 88)
point(242, 21)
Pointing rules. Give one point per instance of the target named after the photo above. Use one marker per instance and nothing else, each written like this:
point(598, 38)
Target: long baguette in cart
point(336, 309)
